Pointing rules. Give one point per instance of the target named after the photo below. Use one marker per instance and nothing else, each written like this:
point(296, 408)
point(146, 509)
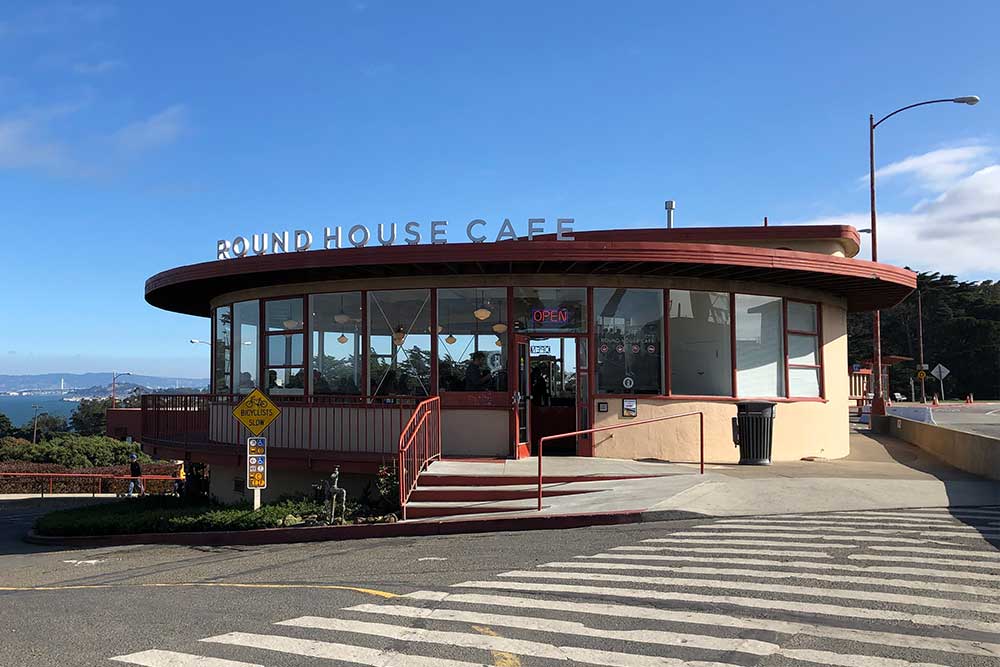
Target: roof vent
point(669, 205)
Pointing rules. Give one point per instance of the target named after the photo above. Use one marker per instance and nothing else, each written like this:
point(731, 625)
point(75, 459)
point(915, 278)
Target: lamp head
point(971, 100)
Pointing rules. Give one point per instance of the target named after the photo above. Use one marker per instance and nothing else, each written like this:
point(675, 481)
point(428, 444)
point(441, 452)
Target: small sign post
point(256, 412)
point(256, 468)
point(940, 372)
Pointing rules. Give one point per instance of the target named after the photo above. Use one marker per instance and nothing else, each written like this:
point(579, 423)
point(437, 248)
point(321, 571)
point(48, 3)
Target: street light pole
point(34, 424)
point(878, 400)
point(920, 343)
point(114, 380)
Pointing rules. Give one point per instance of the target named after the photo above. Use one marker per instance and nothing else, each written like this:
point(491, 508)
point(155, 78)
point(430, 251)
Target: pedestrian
point(135, 471)
point(181, 480)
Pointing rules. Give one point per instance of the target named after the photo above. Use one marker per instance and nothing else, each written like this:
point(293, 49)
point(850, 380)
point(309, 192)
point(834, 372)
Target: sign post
point(256, 412)
point(940, 372)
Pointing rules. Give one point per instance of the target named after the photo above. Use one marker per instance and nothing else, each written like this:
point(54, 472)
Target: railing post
point(541, 443)
point(701, 433)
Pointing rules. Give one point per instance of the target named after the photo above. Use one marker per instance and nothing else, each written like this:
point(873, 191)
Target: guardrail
point(419, 444)
point(368, 425)
point(701, 437)
point(98, 480)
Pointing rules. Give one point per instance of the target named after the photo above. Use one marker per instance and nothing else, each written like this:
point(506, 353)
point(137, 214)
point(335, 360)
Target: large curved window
point(283, 349)
point(246, 322)
point(221, 350)
point(335, 343)
point(629, 340)
point(472, 337)
point(550, 309)
point(760, 348)
point(399, 326)
point(701, 361)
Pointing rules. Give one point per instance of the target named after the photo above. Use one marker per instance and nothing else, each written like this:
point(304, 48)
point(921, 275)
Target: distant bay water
point(18, 408)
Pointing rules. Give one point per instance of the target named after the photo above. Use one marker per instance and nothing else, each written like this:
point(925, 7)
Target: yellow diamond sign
point(256, 412)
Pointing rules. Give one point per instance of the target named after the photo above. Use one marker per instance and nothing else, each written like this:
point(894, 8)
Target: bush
point(72, 451)
point(166, 514)
point(80, 484)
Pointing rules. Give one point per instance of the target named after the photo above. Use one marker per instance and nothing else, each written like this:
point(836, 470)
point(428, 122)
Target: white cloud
point(938, 169)
point(24, 144)
point(100, 67)
point(957, 231)
point(158, 130)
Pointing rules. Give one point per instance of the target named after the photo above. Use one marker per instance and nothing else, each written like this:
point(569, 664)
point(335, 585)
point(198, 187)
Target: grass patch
point(165, 514)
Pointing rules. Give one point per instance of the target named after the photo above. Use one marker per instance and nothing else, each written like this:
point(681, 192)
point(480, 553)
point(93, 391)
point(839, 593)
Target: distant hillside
point(50, 381)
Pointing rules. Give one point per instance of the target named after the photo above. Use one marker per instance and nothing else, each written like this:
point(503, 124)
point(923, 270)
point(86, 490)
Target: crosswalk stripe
point(812, 565)
point(713, 550)
point(156, 658)
point(812, 519)
point(781, 574)
point(751, 543)
point(778, 528)
point(575, 628)
point(770, 605)
point(792, 535)
point(945, 644)
point(810, 591)
point(924, 514)
point(988, 555)
point(523, 647)
point(941, 562)
point(359, 655)
point(844, 660)
point(971, 533)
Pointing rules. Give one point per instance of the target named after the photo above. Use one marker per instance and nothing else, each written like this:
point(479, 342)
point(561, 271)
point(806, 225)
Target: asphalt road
point(981, 418)
point(882, 589)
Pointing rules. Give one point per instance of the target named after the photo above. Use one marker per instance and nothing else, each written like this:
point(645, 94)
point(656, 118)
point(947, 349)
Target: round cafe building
point(516, 336)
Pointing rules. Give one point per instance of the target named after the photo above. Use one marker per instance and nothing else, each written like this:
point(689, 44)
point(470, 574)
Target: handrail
point(417, 424)
point(701, 433)
point(97, 477)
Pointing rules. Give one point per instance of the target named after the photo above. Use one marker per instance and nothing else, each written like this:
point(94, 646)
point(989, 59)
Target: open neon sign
point(550, 315)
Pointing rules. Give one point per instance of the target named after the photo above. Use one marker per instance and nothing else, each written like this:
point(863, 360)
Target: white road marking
point(712, 550)
point(988, 555)
point(941, 562)
point(812, 565)
point(780, 574)
point(78, 563)
point(157, 658)
point(522, 647)
point(716, 620)
point(431, 558)
point(575, 628)
point(358, 655)
point(972, 533)
point(841, 520)
point(810, 608)
point(809, 591)
point(792, 535)
point(778, 528)
point(753, 543)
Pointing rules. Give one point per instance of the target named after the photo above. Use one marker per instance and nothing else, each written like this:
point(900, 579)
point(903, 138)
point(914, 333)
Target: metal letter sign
point(256, 463)
point(940, 372)
point(256, 412)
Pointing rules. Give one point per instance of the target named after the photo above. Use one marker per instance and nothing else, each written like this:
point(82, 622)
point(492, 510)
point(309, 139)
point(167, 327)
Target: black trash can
point(752, 429)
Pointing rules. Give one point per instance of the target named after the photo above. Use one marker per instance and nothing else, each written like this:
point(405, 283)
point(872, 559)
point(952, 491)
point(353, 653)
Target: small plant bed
point(166, 514)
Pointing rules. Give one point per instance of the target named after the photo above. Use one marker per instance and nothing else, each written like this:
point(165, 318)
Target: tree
point(90, 416)
point(47, 426)
point(6, 428)
point(961, 330)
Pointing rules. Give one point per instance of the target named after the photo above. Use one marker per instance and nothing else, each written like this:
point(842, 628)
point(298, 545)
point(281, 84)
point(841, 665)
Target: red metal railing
point(97, 479)
point(701, 438)
point(368, 425)
point(419, 444)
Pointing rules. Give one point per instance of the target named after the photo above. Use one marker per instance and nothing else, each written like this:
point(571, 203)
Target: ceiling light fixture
point(450, 339)
point(341, 339)
point(398, 336)
point(499, 328)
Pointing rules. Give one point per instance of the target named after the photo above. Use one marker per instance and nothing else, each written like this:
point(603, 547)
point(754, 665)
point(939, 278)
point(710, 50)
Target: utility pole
point(920, 344)
point(34, 422)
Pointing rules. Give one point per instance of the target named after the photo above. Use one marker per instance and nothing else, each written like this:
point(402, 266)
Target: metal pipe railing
point(701, 437)
point(426, 422)
point(97, 477)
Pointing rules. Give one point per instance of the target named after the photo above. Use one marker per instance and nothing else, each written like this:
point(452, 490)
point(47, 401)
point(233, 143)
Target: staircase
point(478, 490)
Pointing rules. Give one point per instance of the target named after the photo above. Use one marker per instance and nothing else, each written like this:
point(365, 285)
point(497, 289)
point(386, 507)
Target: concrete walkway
point(880, 473)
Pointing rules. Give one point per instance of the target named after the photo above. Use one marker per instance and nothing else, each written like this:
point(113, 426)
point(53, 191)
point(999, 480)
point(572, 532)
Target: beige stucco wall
point(801, 428)
point(475, 433)
point(972, 452)
point(837, 248)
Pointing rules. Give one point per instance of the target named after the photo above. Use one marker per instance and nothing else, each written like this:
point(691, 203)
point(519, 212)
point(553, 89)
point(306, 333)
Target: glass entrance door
point(553, 383)
point(522, 395)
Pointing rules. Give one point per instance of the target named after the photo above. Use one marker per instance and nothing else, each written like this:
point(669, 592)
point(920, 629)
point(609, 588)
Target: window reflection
point(246, 320)
point(221, 349)
point(472, 337)
point(629, 340)
point(335, 339)
point(760, 355)
point(399, 327)
point(284, 336)
point(701, 361)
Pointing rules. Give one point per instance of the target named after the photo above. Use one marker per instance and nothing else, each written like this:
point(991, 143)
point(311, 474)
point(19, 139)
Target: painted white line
point(521, 647)
point(946, 644)
point(937, 573)
point(431, 558)
point(940, 562)
point(809, 591)
point(974, 553)
point(765, 526)
point(749, 552)
point(156, 658)
point(358, 655)
point(971, 533)
point(758, 573)
point(779, 535)
point(753, 543)
point(574, 628)
point(862, 521)
point(928, 514)
point(809, 608)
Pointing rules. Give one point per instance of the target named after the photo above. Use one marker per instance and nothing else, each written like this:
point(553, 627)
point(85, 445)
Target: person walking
point(181, 480)
point(135, 471)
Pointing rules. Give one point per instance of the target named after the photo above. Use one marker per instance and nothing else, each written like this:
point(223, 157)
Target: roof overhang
point(865, 285)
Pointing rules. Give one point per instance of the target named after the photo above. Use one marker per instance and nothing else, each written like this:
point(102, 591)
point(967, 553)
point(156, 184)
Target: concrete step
point(487, 493)
point(424, 510)
point(430, 479)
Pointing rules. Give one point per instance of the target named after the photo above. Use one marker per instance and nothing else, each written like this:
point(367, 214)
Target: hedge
point(80, 484)
point(71, 451)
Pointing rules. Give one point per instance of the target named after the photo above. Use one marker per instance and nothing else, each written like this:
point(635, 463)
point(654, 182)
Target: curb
point(358, 532)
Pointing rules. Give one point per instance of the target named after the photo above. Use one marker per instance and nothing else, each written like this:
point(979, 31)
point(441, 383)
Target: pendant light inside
point(499, 328)
point(291, 324)
point(499, 342)
point(482, 313)
point(398, 336)
point(341, 318)
point(341, 339)
point(450, 339)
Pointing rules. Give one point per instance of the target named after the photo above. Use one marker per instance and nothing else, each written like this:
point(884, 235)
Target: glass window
point(760, 354)
point(222, 350)
point(701, 362)
point(472, 339)
point(803, 350)
point(629, 330)
point(550, 309)
point(399, 326)
point(246, 321)
point(283, 331)
point(335, 335)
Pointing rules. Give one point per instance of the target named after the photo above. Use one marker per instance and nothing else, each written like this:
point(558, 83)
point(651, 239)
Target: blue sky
point(134, 135)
